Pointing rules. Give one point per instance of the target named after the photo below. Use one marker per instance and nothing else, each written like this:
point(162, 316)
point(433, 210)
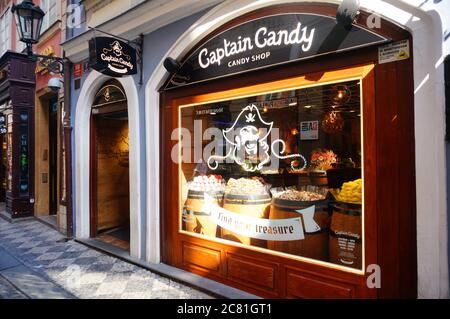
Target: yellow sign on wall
point(42, 67)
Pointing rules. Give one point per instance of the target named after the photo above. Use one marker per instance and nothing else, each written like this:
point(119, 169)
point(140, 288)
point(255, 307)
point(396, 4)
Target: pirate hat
point(116, 46)
point(249, 116)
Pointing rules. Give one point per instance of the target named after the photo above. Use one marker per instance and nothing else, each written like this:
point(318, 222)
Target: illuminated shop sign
point(269, 41)
point(264, 38)
point(112, 57)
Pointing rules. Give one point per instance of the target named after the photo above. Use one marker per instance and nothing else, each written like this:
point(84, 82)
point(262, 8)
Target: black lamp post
point(29, 19)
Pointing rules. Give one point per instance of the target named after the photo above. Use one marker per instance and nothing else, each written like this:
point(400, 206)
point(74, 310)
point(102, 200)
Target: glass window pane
point(24, 183)
point(280, 171)
point(108, 95)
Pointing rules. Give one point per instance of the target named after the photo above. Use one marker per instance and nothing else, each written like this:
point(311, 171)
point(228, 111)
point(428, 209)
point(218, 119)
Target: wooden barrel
point(257, 206)
point(318, 178)
point(303, 179)
point(345, 235)
point(194, 219)
point(315, 244)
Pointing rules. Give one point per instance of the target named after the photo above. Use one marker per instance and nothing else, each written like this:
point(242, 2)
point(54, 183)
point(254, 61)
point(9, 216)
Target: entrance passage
point(53, 157)
point(112, 179)
point(110, 182)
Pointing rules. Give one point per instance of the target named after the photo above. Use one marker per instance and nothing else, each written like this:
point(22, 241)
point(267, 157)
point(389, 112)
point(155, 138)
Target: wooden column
point(18, 90)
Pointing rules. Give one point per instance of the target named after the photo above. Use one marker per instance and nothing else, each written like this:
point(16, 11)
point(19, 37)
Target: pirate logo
point(248, 139)
point(117, 49)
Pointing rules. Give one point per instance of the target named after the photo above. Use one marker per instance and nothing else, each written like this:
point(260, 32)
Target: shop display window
point(24, 183)
point(9, 152)
point(279, 172)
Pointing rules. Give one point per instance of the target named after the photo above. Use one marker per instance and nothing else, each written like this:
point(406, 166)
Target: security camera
point(171, 65)
point(347, 13)
point(55, 84)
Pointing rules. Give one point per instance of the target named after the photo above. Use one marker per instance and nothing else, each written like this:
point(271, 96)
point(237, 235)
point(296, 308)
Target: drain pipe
point(67, 128)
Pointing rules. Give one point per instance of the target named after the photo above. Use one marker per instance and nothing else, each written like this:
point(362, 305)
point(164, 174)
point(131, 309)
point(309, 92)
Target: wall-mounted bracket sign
point(269, 41)
point(112, 57)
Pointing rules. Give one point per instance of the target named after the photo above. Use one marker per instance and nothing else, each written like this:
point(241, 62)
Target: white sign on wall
point(392, 52)
point(309, 130)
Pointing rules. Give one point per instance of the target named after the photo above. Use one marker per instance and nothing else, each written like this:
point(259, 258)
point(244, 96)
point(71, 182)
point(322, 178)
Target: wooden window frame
point(390, 242)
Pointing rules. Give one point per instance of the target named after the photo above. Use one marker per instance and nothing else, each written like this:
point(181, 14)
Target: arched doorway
point(109, 162)
point(82, 171)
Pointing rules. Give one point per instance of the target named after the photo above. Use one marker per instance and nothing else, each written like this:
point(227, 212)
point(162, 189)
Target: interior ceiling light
point(342, 95)
point(333, 122)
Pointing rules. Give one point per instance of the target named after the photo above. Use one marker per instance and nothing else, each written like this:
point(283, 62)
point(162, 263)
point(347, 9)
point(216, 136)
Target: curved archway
point(88, 92)
point(433, 280)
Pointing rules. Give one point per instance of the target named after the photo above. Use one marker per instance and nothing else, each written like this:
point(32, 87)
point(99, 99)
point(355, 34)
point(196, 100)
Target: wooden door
point(110, 197)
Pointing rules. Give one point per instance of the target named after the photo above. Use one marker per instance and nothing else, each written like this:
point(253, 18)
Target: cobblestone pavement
point(7, 291)
point(83, 272)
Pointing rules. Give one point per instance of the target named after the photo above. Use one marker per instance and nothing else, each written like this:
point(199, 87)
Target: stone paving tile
point(82, 271)
point(93, 278)
point(74, 254)
point(100, 267)
point(62, 263)
point(57, 249)
point(114, 287)
point(123, 267)
point(49, 256)
point(85, 260)
point(7, 291)
point(91, 253)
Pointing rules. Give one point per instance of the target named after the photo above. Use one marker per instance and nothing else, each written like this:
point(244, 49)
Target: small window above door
point(109, 94)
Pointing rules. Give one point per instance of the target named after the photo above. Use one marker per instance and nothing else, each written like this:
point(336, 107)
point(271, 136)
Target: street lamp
point(29, 19)
point(29, 22)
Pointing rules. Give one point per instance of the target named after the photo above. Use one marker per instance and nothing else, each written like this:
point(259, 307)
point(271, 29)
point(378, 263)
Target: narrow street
point(36, 263)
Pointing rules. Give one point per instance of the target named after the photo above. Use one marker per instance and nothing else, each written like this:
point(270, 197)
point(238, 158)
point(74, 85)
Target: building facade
point(361, 103)
point(49, 200)
point(39, 182)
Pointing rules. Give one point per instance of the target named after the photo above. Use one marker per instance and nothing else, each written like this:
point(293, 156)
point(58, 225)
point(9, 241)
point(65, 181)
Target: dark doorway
point(53, 156)
point(109, 170)
point(110, 187)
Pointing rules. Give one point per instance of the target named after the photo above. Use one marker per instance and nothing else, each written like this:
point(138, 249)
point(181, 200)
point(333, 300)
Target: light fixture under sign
point(333, 122)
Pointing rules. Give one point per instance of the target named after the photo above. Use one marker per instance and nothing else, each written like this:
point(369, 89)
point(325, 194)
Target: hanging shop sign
point(269, 41)
point(43, 65)
point(112, 57)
